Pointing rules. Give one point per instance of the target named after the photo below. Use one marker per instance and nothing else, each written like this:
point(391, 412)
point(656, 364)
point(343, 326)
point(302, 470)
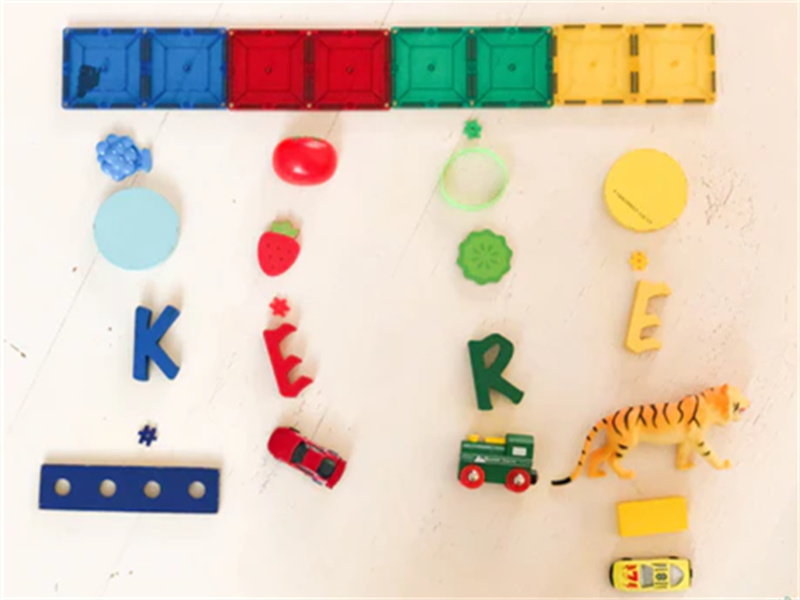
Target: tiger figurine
point(683, 423)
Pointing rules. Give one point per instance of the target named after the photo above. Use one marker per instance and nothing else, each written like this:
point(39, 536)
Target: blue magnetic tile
point(82, 492)
point(188, 68)
point(102, 68)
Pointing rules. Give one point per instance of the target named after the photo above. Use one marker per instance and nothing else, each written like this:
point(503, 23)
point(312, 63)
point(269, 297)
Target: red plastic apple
point(304, 160)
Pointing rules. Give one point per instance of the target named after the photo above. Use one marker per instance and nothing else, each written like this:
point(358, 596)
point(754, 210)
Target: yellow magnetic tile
point(592, 64)
point(648, 517)
point(676, 63)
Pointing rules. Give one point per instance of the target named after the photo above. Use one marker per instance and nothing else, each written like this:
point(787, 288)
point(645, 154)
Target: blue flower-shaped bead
point(119, 157)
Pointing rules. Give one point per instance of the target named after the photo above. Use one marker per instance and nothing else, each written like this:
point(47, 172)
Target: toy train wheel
point(472, 477)
point(518, 480)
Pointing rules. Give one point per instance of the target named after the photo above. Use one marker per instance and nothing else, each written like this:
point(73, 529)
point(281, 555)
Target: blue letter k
point(145, 345)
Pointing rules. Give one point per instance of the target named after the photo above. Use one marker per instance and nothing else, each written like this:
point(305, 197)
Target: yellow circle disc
point(645, 190)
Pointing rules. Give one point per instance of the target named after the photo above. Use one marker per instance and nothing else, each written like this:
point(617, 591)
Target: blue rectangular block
point(102, 68)
point(188, 68)
point(132, 489)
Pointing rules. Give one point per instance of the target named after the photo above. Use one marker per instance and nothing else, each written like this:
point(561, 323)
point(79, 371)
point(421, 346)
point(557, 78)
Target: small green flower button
point(472, 129)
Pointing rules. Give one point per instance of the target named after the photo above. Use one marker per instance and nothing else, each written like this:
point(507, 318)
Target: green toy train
point(507, 460)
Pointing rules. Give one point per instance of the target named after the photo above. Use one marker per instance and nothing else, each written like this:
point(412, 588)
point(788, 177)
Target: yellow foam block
point(648, 517)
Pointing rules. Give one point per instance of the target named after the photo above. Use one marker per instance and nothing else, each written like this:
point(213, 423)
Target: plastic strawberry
point(484, 257)
point(278, 248)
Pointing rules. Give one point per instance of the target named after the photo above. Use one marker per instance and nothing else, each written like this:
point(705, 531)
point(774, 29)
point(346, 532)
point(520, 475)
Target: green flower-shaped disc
point(484, 257)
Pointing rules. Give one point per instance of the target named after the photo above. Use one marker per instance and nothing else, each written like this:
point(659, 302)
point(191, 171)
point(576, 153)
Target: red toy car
point(323, 466)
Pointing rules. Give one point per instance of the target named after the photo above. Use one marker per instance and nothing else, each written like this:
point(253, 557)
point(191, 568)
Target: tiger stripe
point(694, 414)
point(614, 423)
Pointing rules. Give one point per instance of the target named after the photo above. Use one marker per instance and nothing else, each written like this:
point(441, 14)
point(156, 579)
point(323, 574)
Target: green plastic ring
point(473, 207)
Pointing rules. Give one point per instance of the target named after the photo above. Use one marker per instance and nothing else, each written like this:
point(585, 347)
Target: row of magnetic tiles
point(422, 67)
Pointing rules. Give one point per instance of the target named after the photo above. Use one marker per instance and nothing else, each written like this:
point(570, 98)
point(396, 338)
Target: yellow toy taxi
point(651, 574)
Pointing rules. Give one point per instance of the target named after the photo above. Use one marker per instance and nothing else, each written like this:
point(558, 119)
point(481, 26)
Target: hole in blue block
point(62, 487)
point(197, 490)
point(152, 490)
point(108, 488)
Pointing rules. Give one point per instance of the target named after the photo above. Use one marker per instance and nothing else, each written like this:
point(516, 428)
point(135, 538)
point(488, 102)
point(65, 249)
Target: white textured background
point(384, 316)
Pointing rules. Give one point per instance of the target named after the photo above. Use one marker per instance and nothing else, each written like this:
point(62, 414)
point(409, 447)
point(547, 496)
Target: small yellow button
point(645, 190)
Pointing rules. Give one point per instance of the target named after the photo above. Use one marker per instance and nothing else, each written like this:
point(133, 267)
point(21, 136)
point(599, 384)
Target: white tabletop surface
point(384, 315)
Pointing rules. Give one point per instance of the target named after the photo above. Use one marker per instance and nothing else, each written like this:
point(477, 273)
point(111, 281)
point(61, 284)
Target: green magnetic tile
point(430, 67)
point(514, 67)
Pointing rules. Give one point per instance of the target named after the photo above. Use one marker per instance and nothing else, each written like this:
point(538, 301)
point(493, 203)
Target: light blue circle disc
point(136, 229)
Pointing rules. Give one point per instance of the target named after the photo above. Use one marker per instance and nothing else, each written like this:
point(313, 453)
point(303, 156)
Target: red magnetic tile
point(351, 69)
point(266, 68)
